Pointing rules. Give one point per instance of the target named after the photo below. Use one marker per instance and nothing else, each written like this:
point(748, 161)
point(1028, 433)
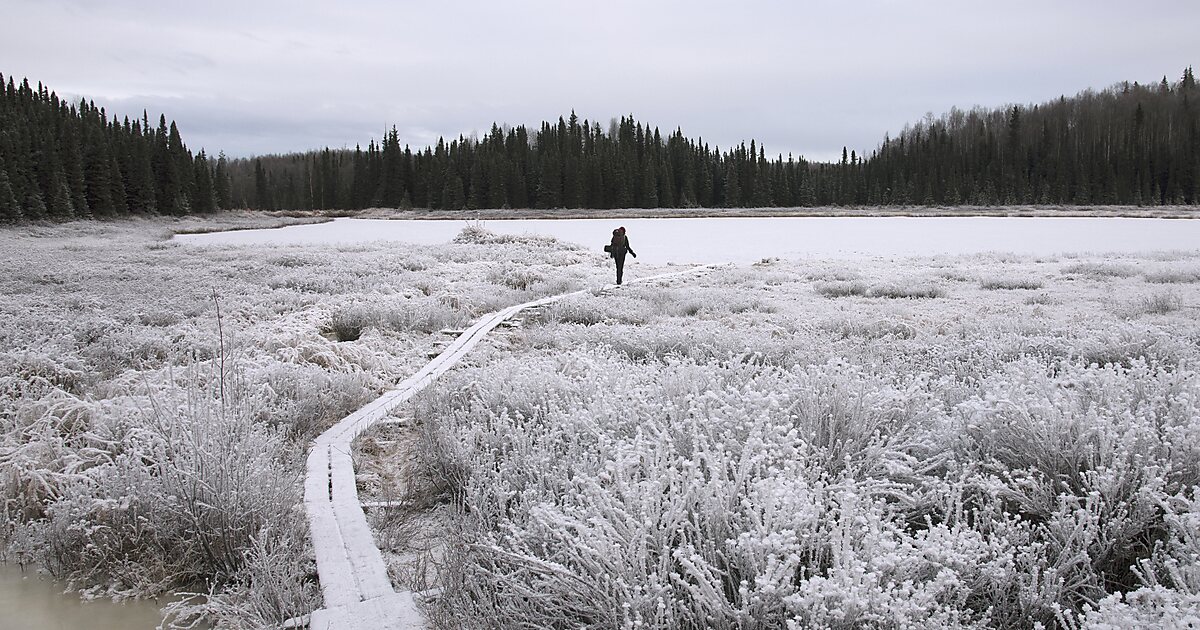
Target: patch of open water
point(29, 601)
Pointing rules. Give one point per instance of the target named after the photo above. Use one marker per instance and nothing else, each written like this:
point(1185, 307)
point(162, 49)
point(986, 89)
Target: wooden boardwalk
point(354, 580)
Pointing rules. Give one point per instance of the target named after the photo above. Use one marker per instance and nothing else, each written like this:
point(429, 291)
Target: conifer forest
point(1130, 144)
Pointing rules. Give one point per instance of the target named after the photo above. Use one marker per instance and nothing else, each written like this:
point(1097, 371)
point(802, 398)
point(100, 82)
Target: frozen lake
point(746, 240)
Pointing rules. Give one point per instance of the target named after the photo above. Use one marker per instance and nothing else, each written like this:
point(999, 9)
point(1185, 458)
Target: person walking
point(618, 248)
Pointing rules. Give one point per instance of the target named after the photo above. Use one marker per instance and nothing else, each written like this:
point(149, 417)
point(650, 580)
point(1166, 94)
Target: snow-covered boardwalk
point(354, 580)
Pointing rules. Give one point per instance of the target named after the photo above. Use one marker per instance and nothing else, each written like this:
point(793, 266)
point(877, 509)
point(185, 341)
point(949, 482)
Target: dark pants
point(619, 257)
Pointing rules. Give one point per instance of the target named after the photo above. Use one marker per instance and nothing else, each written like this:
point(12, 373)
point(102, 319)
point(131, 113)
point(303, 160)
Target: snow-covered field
point(967, 440)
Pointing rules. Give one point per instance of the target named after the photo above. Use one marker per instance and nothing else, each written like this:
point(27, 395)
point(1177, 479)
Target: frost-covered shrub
point(1154, 607)
point(897, 291)
point(476, 233)
point(700, 491)
point(1081, 458)
point(840, 289)
point(276, 585)
point(348, 324)
point(518, 277)
point(685, 494)
point(1123, 345)
point(305, 280)
point(428, 315)
point(758, 275)
point(184, 486)
point(36, 459)
point(304, 400)
point(588, 309)
point(160, 318)
point(956, 275)
point(689, 308)
point(1180, 276)
point(878, 329)
point(1161, 303)
point(1010, 283)
point(834, 274)
point(292, 260)
point(23, 374)
point(1101, 270)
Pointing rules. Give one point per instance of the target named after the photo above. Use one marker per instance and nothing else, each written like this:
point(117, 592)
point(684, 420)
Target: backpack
point(618, 242)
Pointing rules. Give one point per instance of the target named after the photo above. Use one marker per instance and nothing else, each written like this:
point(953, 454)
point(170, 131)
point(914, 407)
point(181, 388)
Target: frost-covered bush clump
point(1178, 275)
point(175, 496)
point(1101, 270)
point(1011, 283)
point(841, 289)
point(902, 291)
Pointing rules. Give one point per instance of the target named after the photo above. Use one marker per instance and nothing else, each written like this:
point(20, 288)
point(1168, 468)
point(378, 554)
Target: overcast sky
point(255, 77)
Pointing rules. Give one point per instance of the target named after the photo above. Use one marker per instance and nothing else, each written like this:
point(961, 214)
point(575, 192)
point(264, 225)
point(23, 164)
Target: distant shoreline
point(235, 220)
point(1138, 212)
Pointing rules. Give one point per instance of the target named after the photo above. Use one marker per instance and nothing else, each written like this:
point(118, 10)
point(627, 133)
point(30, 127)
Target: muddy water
point(32, 602)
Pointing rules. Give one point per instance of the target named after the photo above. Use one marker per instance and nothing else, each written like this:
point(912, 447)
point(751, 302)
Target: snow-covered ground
point(956, 440)
point(146, 445)
point(746, 240)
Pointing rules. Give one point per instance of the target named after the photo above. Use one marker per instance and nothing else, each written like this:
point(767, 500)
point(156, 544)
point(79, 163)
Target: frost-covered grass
point(983, 459)
point(147, 445)
point(1011, 283)
point(1173, 275)
point(1101, 269)
point(840, 289)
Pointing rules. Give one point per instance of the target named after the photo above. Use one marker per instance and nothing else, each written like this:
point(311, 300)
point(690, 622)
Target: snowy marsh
point(156, 399)
point(764, 448)
point(988, 440)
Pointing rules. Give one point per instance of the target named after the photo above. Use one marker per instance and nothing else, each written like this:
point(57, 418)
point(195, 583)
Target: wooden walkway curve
point(353, 575)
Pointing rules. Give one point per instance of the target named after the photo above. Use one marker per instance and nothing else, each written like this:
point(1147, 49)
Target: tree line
point(1128, 144)
point(62, 161)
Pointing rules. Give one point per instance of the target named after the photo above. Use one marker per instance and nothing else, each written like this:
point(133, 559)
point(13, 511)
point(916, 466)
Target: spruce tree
point(262, 193)
point(222, 184)
point(205, 200)
point(453, 196)
point(34, 206)
point(10, 208)
point(733, 188)
point(96, 179)
point(70, 155)
point(141, 189)
point(61, 208)
point(116, 191)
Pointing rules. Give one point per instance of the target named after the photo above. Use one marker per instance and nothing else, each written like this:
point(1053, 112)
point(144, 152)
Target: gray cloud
point(801, 77)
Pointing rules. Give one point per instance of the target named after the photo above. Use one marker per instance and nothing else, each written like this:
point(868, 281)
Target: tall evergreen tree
point(205, 199)
point(222, 185)
point(34, 207)
point(10, 208)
